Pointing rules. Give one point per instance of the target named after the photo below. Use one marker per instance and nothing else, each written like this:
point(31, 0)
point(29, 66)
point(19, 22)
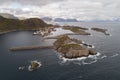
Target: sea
point(103, 66)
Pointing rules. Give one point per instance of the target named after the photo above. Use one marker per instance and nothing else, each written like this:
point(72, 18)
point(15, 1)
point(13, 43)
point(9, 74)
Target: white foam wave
point(110, 35)
point(80, 60)
point(83, 42)
point(90, 62)
point(114, 55)
point(103, 57)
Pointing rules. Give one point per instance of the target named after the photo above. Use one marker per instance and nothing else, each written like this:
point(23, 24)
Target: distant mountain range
point(59, 19)
point(65, 20)
point(49, 19)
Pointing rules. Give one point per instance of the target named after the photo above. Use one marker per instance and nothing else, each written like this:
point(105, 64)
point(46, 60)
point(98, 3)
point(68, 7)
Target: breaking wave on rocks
point(82, 60)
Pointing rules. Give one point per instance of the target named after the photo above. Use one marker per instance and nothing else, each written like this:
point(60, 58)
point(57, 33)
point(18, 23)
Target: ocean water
point(104, 66)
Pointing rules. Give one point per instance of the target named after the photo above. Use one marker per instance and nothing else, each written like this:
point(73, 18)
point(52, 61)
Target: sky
point(78, 9)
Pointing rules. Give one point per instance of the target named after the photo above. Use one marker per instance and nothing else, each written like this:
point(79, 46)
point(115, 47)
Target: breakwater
point(30, 48)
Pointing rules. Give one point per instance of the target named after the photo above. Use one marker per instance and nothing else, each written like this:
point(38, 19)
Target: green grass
point(65, 48)
point(60, 41)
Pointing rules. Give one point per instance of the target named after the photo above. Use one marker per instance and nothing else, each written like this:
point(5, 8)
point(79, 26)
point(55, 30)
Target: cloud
point(79, 9)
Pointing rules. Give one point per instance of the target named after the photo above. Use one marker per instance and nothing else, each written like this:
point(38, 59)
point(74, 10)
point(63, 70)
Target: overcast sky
point(79, 9)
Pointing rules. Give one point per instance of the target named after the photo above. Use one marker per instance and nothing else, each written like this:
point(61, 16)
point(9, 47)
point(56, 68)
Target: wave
point(114, 55)
point(82, 60)
point(103, 57)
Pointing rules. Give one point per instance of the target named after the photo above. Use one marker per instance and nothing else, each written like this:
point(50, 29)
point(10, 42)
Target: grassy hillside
point(8, 16)
point(15, 24)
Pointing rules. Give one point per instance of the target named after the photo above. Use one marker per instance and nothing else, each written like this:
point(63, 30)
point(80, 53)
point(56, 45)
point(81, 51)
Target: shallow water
point(103, 67)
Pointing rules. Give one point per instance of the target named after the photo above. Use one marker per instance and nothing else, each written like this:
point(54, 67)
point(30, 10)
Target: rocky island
point(77, 30)
point(100, 30)
point(72, 48)
point(34, 65)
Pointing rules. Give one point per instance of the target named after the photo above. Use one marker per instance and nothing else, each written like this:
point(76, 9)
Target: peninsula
point(68, 47)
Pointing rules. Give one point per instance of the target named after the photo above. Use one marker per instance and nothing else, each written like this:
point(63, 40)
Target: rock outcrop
point(34, 65)
point(71, 48)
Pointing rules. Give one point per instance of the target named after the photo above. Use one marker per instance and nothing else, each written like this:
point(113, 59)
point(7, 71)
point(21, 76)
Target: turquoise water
point(104, 67)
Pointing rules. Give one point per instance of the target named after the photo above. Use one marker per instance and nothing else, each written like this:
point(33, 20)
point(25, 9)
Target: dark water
point(107, 66)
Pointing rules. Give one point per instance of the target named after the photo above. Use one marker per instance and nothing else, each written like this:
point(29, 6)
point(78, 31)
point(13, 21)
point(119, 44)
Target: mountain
point(65, 20)
point(59, 20)
point(71, 20)
point(15, 24)
point(46, 19)
point(9, 16)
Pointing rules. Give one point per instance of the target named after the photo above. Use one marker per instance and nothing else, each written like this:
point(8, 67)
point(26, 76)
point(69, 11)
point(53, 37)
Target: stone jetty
point(29, 48)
